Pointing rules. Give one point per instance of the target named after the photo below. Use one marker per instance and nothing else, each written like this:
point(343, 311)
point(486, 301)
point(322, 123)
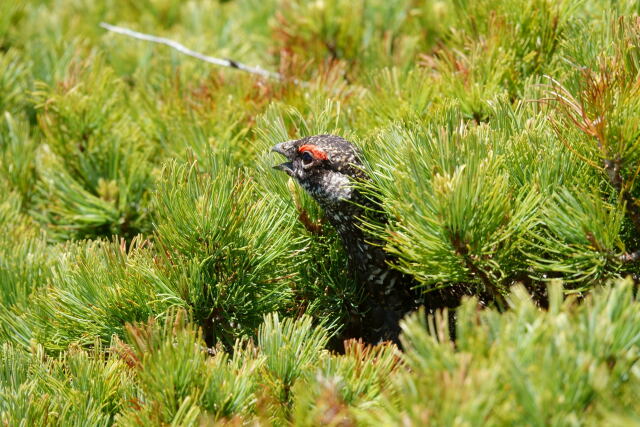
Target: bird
point(329, 168)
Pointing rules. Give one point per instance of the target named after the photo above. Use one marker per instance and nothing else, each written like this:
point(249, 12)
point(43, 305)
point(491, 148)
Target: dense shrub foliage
point(154, 269)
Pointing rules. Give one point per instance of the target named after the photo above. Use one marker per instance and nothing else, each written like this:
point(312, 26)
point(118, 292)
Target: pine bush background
point(154, 269)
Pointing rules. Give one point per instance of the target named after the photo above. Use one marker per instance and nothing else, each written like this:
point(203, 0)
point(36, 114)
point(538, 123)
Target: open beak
point(285, 167)
point(286, 149)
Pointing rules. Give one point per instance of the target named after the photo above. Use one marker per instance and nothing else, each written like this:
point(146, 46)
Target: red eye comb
point(314, 150)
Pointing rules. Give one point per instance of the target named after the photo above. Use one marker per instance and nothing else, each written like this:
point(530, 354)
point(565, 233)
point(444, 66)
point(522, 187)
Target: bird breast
point(334, 187)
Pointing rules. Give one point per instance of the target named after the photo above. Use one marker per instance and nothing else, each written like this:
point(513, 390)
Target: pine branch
point(576, 113)
point(230, 63)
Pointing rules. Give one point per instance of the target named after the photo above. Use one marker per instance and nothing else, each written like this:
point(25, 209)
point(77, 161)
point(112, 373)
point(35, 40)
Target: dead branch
point(210, 59)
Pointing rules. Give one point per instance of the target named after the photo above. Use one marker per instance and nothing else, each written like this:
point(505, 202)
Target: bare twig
point(210, 59)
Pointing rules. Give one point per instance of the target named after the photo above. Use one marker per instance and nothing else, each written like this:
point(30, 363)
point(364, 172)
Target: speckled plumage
point(326, 166)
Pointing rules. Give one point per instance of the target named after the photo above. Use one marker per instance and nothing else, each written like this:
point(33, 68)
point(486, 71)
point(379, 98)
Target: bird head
point(324, 165)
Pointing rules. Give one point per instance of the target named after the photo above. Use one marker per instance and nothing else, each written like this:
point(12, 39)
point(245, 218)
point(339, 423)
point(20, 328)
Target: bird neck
point(366, 254)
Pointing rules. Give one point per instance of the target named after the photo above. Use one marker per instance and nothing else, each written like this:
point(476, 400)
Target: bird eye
point(307, 158)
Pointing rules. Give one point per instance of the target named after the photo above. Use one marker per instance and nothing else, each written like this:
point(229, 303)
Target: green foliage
point(341, 386)
point(574, 361)
point(155, 269)
point(23, 254)
point(289, 348)
point(12, 81)
point(313, 29)
point(94, 291)
point(179, 382)
point(582, 234)
point(94, 166)
point(525, 366)
point(459, 219)
point(79, 388)
point(17, 152)
point(216, 229)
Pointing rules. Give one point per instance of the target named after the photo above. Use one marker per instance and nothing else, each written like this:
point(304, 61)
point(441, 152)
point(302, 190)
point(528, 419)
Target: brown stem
point(311, 226)
point(463, 251)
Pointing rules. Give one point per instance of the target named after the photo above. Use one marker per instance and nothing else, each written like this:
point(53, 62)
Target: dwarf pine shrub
point(155, 270)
